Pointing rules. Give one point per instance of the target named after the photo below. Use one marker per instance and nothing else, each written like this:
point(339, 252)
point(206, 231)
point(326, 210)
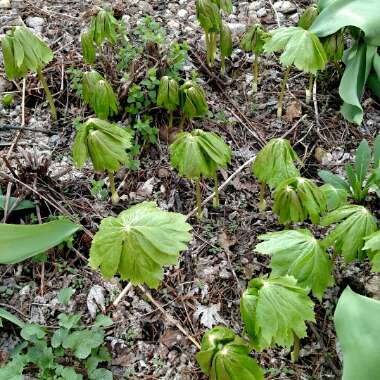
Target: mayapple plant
point(297, 199)
point(209, 16)
point(253, 42)
point(199, 154)
point(168, 96)
point(23, 52)
point(103, 27)
point(192, 101)
point(300, 48)
point(298, 253)
point(98, 93)
point(308, 17)
point(225, 356)
point(105, 145)
point(372, 247)
point(353, 224)
point(274, 311)
point(138, 243)
point(274, 164)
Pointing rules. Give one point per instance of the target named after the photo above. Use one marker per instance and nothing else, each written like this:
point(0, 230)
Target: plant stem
point(282, 92)
point(309, 89)
point(212, 49)
point(296, 349)
point(170, 119)
point(207, 41)
point(198, 197)
point(223, 64)
point(262, 202)
point(255, 73)
point(182, 121)
point(114, 196)
point(215, 200)
point(49, 96)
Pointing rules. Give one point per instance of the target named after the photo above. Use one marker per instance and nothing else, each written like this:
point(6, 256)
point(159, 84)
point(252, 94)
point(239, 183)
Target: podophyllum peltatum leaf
point(138, 243)
point(104, 27)
point(298, 253)
point(308, 16)
point(334, 197)
point(297, 199)
point(275, 162)
point(104, 143)
point(208, 15)
point(356, 223)
point(372, 247)
point(168, 93)
point(193, 100)
point(23, 51)
point(357, 325)
point(224, 5)
point(275, 309)
point(88, 46)
point(225, 40)
point(199, 153)
point(19, 242)
point(225, 356)
point(254, 39)
point(98, 93)
point(300, 47)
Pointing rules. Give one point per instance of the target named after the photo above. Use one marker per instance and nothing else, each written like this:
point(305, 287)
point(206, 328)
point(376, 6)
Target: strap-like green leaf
point(199, 153)
point(274, 310)
point(19, 242)
point(4, 314)
point(362, 160)
point(275, 162)
point(225, 356)
point(138, 243)
point(334, 180)
point(356, 223)
point(298, 253)
point(357, 325)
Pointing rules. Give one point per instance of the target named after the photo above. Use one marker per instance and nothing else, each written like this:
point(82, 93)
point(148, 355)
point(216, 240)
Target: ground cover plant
point(170, 220)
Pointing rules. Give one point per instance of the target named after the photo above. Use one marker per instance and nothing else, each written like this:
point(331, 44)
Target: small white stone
point(284, 7)
point(237, 28)
point(256, 5)
point(262, 12)
point(182, 13)
point(173, 24)
point(35, 23)
point(5, 4)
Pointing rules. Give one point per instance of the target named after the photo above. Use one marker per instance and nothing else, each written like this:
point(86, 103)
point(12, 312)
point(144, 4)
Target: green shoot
point(168, 96)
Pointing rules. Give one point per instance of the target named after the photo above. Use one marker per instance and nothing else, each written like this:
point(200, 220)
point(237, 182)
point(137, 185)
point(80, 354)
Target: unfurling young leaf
point(98, 93)
point(308, 16)
point(138, 242)
point(24, 52)
point(199, 154)
point(253, 41)
point(274, 311)
point(224, 5)
point(299, 254)
point(168, 96)
point(302, 49)
point(372, 247)
point(274, 164)
point(192, 101)
point(103, 27)
point(225, 356)
point(210, 19)
point(356, 223)
point(297, 199)
point(225, 45)
point(334, 46)
point(105, 144)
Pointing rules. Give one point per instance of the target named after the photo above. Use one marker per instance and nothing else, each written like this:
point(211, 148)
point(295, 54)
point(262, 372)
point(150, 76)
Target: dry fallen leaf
point(209, 315)
point(293, 111)
point(171, 338)
point(95, 300)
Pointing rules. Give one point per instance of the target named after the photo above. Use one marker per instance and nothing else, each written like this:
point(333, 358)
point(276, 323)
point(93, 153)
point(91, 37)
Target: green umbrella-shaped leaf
point(208, 15)
point(168, 93)
point(225, 40)
point(98, 93)
point(88, 47)
point(225, 356)
point(199, 153)
point(139, 242)
point(356, 223)
point(357, 325)
point(275, 162)
point(300, 47)
point(193, 100)
point(297, 199)
point(274, 310)
point(372, 247)
point(254, 39)
point(104, 143)
point(334, 197)
point(298, 253)
point(19, 242)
